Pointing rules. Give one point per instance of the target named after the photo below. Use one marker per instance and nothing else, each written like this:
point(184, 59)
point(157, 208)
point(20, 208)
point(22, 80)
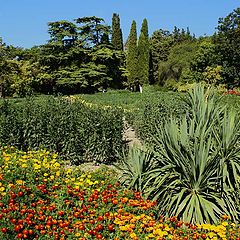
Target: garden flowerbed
point(41, 199)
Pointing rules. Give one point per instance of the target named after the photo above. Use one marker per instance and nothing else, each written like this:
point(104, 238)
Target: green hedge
point(76, 131)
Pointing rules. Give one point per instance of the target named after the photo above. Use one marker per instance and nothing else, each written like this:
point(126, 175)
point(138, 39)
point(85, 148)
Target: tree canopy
point(87, 55)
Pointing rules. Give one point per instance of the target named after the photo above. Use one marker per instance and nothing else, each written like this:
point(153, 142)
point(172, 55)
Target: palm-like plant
point(198, 162)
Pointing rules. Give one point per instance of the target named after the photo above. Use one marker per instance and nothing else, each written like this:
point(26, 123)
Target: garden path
point(130, 136)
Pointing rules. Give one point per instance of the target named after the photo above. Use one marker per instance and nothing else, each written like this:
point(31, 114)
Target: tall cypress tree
point(143, 54)
point(132, 57)
point(117, 38)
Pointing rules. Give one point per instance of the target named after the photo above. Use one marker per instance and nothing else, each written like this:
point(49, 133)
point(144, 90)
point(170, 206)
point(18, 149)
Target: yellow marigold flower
point(225, 223)
point(46, 165)
point(160, 233)
point(2, 189)
point(133, 235)
point(211, 234)
point(36, 166)
point(56, 165)
point(24, 165)
point(167, 228)
point(20, 182)
point(149, 229)
point(69, 171)
point(150, 236)
point(123, 228)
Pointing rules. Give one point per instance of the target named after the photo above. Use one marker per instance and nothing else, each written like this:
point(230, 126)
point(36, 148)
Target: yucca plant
point(133, 167)
point(197, 162)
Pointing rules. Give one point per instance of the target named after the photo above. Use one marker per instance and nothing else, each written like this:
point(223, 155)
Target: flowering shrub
point(40, 198)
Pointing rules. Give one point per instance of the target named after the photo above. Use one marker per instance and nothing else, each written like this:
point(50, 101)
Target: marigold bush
point(41, 198)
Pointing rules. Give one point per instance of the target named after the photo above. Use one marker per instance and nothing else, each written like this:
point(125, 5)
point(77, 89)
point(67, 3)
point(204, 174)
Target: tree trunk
point(1, 90)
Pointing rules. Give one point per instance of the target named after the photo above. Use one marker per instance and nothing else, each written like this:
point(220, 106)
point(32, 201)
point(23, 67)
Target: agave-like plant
point(198, 162)
point(133, 167)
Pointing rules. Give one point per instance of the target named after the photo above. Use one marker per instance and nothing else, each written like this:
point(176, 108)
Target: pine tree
point(105, 39)
point(117, 38)
point(143, 54)
point(132, 57)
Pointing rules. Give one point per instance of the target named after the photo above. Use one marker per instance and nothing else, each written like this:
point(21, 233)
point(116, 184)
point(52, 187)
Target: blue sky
point(23, 23)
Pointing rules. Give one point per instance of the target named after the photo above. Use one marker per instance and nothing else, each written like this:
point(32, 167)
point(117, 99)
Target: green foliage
point(178, 62)
point(227, 42)
point(133, 166)
point(78, 132)
point(205, 55)
point(197, 165)
point(63, 31)
point(160, 43)
point(165, 45)
point(80, 66)
point(89, 78)
point(204, 64)
point(143, 54)
point(169, 59)
point(117, 38)
point(213, 75)
point(77, 58)
point(154, 111)
point(92, 29)
point(132, 57)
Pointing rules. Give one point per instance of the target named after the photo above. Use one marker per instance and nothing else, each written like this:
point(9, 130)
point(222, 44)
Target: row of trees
point(180, 58)
point(138, 57)
point(79, 57)
point(86, 55)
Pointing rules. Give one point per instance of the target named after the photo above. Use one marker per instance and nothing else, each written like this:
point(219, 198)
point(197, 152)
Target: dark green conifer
point(132, 57)
point(143, 54)
point(117, 38)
